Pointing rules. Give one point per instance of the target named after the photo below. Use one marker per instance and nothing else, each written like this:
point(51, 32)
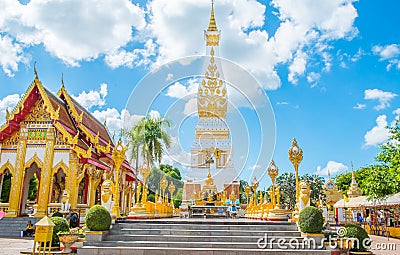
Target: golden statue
point(304, 195)
point(107, 189)
point(65, 205)
point(278, 195)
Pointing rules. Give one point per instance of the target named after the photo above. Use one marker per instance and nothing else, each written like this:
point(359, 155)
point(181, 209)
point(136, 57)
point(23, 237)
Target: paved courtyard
point(13, 246)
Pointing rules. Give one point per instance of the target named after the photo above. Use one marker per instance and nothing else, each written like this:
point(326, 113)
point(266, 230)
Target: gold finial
point(34, 71)
point(209, 175)
point(7, 114)
point(212, 26)
point(329, 174)
point(62, 81)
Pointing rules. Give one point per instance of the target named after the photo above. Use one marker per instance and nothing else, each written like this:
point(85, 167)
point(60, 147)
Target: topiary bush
point(57, 214)
point(98, 218)
point(363, 241)
point(61, 225)
point(310, 220)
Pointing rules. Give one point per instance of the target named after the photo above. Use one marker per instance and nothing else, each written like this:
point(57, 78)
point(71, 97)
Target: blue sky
point(330, 68)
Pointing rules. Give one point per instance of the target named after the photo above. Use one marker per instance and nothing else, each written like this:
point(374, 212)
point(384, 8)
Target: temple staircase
point(198, 236)
point(12, 227)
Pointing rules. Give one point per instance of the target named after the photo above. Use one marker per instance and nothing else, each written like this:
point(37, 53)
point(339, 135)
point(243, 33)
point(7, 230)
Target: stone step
point(284, 243)
point(94, 250)
point(240, 222)
point(201, 232)
point(182, 238)
point(11, 227)
point(204, 226)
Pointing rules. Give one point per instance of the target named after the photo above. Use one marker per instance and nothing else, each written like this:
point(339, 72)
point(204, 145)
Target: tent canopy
point(354, 202)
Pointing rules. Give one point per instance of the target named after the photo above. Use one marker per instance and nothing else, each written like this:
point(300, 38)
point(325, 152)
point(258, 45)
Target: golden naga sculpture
point(107, 189)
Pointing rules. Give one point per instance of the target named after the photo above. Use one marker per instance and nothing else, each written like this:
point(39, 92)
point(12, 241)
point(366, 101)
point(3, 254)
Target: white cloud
point(72, 30)
point(313, 78)
point(87, 30)
point(190, 107)
point(297, 67)
point(170, 76)
point(11, 54)
point(116, 121)
point(333, 167)
point(302, 23)
point(137, 57)
point(387, 52)
point(93, 98)
point(282, 103)
point(8, 102)
point(383, 97)
point(378, 134)
point(397, 111)
point(359, 106)
point(177, 90)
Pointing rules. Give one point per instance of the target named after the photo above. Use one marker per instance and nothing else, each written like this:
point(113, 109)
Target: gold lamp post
point(145, 172)
point(254, 186)
point(163, 186)
point(296, 156)
point(118, 156)
point(273, 173)
point(171, 190)
point(247, 190)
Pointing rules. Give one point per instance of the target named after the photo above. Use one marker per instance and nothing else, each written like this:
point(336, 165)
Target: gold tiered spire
point(212, 26)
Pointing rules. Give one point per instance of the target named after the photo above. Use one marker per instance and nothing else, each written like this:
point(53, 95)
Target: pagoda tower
point(211, 151)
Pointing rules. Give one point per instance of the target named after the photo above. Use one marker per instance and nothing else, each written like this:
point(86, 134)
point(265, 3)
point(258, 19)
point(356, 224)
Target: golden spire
point(212, 26)
point(62, 81)
point(35, 72)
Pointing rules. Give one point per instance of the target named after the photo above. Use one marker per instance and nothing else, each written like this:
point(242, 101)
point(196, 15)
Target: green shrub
point(98, 218)
point(61, 225)
point(57, 214)
point(357, 232)
point(310, 220)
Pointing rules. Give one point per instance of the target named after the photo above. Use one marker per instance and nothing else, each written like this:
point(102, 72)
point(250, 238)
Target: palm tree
point(147, 139)
point(155, 139)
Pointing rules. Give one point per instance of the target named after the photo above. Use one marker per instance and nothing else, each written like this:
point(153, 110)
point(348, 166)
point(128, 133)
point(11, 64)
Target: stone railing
point(53, 207)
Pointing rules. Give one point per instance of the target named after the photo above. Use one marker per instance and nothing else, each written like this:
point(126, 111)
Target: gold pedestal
point(137, 211)
point(278, 214)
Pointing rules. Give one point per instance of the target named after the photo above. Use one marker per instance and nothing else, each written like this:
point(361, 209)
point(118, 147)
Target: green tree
point(33, 188)
point(5, 191)
point(381, 179)
point(316, 183)
point(287, 185)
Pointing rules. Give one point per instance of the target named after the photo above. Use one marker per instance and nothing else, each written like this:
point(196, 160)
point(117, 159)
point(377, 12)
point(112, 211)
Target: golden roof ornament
point(35, 71)
point(212, 26)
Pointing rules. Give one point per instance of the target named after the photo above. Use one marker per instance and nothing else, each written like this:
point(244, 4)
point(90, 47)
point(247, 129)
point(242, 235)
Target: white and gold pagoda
point(212, 152)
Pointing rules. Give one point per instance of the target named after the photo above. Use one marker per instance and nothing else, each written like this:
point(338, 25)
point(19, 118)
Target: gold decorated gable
point(212, 93)
point(38, 113)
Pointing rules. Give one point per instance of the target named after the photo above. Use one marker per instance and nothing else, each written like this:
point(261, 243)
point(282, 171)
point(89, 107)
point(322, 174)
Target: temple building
point(212, 152)
point(57, 142)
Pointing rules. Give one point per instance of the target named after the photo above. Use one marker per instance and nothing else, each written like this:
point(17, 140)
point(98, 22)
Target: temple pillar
point(46, 175)
point(18, 175)
point(72, 180)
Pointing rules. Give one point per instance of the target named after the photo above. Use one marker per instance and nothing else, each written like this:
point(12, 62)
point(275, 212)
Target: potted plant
point(98, 222)
point(310, 222)
point(60, 225)
point(67, 238)
point(359, 238)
